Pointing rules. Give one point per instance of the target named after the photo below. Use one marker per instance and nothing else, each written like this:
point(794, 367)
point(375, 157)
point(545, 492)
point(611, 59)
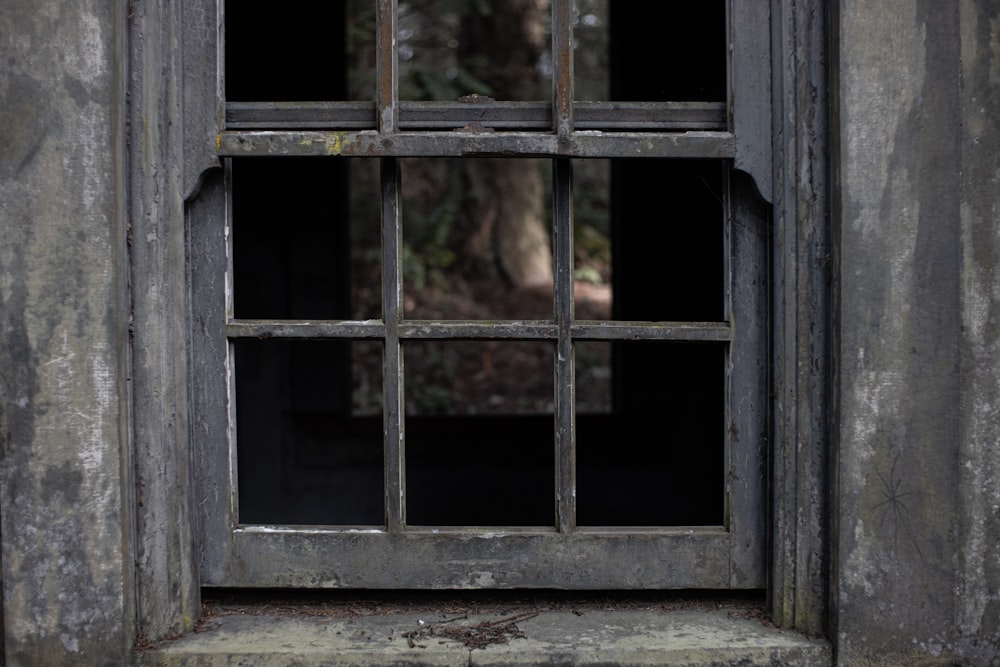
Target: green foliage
point(432, 83)
point(593, 243)
point(361, 28)
point(427, 251)
point(588, 274)
point(436, 64)
point(430, 66)
point(430, 392)
point(426, 266)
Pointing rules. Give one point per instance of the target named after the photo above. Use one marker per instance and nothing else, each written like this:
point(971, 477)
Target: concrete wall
point(918, 559)
point(64, 322)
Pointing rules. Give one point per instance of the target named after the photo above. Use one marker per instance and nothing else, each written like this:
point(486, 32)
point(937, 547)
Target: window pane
point(591, 24)
point(450, 49)
point(593, 377)
point(479, 433)
point(320, 53)
point(302, 246)
point(592, 240)
point(309, 432)
point(481, 471)
point(658, 459)
point(668, 51)
point(478, 377)
point(477, 241)
point(649, 240)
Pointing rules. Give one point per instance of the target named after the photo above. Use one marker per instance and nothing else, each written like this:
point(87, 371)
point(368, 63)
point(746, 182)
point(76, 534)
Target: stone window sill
point(707, 633)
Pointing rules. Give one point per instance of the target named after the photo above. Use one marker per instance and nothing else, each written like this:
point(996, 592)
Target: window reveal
point(608, 431)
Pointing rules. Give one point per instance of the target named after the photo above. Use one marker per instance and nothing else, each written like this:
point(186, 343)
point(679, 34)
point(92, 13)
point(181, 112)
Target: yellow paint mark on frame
point(334, 144)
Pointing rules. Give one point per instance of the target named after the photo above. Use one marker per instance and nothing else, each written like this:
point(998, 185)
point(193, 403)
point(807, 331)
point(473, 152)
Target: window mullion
point(562, 233)
point(392, 300)
point(498, 115)
point(392, 288)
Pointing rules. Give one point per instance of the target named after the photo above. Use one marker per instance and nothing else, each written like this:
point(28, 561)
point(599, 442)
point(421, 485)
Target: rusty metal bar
point(695, 144)
point(562, 63)
point(565, 402)
point(392, 309)
point(386, 70)
point(646, 116)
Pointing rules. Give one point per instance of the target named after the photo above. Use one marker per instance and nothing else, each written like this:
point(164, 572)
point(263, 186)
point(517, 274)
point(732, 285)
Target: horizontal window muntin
point(499, 116)
point(512, 330)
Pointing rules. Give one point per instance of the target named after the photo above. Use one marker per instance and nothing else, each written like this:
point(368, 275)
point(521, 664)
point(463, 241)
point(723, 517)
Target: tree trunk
point(504, 198)
point(504, 202)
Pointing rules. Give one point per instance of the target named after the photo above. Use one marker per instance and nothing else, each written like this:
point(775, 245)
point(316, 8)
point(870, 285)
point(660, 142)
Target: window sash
point(400, 556)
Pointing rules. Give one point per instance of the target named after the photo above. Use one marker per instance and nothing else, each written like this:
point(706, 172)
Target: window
point(605, 427)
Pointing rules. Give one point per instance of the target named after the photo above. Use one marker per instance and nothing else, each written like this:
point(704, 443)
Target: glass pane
point(592, 240)
point(659, 458)
point(302, 246)
point(593, 377)
point(476, 239)
point(479, 433)
point(326, 53)
point(591, 23)
point(449, 49)
point(309, 432)
point(669, 240)
point(667, 51)
point(649, 240)
point(478, 377)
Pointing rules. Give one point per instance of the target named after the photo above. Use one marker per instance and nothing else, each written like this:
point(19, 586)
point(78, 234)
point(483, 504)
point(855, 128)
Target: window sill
point(566, 636)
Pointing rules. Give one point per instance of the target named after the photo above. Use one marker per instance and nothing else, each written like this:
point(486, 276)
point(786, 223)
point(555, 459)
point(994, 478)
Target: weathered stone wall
point(918, 558)
point(978, 543)
point(915, 526)
point(64, 323)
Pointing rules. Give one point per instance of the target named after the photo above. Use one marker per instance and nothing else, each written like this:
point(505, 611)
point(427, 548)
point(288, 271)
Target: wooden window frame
point(777, 126)
point(567, 556)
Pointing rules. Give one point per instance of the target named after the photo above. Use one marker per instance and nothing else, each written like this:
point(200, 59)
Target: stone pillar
point(918, 515)
point(66, 560)
point(977, 588)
